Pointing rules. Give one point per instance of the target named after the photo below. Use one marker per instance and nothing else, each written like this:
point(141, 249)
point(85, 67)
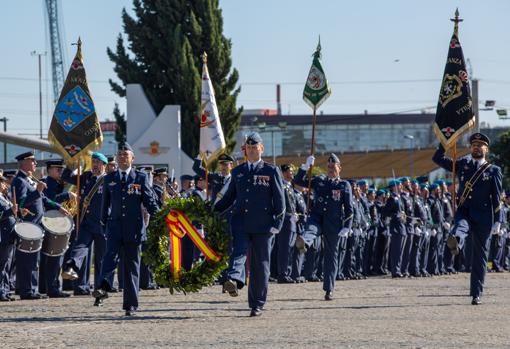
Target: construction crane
point(57, 61)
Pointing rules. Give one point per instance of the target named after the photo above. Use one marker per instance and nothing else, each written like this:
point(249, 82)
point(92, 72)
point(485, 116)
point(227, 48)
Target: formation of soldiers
point(339, 230)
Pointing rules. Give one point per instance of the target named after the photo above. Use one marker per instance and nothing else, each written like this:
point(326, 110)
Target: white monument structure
point(156, 140)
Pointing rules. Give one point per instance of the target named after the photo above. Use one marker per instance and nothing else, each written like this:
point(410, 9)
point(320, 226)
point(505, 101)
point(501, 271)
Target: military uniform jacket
point(215, 179)
point(483, 203)
point(158, 191)
point(257, 199)
point(87, 182)
point(27, 196)
point(394, 209)
point(55, 190)
point(121, 209)
point(419, 211)
point(436, 212)
point(290, 201)
point(7, 221)
point(332, 206)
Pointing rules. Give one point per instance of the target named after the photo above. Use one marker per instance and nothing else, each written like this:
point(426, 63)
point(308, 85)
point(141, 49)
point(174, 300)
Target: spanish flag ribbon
point(179, 225)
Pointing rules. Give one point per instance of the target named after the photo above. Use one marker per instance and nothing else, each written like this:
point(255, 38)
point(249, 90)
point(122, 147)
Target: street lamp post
point(39, 55)
point(262, 127)
point(411, 150)
point(4, 120)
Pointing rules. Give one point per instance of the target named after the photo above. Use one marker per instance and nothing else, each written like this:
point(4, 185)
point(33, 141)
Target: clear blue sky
point(382, 56)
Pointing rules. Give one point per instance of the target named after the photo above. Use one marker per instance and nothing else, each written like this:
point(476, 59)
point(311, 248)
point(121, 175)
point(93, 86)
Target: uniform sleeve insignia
point(111, 184)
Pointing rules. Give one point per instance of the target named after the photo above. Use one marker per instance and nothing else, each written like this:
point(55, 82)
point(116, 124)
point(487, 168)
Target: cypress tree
point(165, 39)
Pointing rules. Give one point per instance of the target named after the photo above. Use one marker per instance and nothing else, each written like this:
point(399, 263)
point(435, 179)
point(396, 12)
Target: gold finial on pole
point(456, 20)
point(204, 57)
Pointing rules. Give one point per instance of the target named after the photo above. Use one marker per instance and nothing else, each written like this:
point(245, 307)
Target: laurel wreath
point(156, 254)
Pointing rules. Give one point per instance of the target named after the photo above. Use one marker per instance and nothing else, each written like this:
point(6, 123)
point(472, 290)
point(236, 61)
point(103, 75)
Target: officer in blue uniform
point(331, 216)
point(9, 174)
point(159, 185)
point(256, 192)
point(382, 242)
point(479, 209)
point(124, 192)
point(287, 236)
point(216, 180)
point(395, 217)
point(32, 202)
point(49, 266)
point(7, 221)
point(91, 230)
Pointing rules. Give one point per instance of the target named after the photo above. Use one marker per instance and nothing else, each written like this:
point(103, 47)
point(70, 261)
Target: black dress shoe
point(98, 302)
point(130, 312)
point(115, 290)
point(397, 275)
point(5, 299)
point(231, 287)
point(476, 301)
point(33, 296)
point(256, 311)
point(101, 294)
point(81, 292)
point(69, 274)
point(328, 296)
point(59, 295)
point(285, 280)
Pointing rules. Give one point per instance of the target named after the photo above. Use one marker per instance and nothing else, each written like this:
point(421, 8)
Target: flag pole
point(454, 194)
point(78, 198)
point(312, 150)
point(206, 181)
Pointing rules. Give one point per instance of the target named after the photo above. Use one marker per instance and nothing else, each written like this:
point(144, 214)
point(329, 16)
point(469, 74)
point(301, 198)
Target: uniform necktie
point(251, 168)
point(123, 177)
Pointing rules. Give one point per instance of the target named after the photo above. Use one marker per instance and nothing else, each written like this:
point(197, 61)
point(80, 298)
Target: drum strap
point(90, 195)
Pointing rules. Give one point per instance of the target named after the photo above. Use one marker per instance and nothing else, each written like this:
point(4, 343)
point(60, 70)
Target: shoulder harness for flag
point(88, 198)
point(471, 182)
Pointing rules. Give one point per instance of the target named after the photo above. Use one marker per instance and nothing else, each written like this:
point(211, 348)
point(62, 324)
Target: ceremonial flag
point(317, 89)
point(454, 115)
point(212, 141)
point(75, 127)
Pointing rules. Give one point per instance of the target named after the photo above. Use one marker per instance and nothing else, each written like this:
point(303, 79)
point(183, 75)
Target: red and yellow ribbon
point(179, 225)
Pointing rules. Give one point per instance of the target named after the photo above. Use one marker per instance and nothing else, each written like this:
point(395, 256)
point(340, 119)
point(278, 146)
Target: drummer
point(91, 230)
point(49, 268)
point(7, 221)
point(30, 196)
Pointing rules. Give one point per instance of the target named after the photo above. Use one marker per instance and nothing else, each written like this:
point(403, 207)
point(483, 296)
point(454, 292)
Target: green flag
point(316, 89)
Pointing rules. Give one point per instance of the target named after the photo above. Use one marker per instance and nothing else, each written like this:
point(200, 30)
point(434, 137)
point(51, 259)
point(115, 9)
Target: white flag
point(212, 141)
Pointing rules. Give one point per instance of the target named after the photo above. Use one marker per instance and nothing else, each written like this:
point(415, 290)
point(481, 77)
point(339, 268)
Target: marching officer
point(256, 192)
point(49, 266)
point(331, 216)
point(8, 213)
point(287, 236)
point(216, 179)
point(124, 192)
point(91, 230)
point(31, 199)
point(479, 209)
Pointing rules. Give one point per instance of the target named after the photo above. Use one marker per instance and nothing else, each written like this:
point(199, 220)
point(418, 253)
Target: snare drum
point(30, 237)
point(58, 231)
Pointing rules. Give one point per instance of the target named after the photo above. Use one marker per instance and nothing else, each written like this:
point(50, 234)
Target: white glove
point(446, 226)
point(387, 220)
point(274, 231)
point(309, 162)
point(417, 231)
point(495, 228)
point(344, 232)
point(433, 232)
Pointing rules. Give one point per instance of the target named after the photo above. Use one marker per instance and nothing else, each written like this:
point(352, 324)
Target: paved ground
point(374, 313)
